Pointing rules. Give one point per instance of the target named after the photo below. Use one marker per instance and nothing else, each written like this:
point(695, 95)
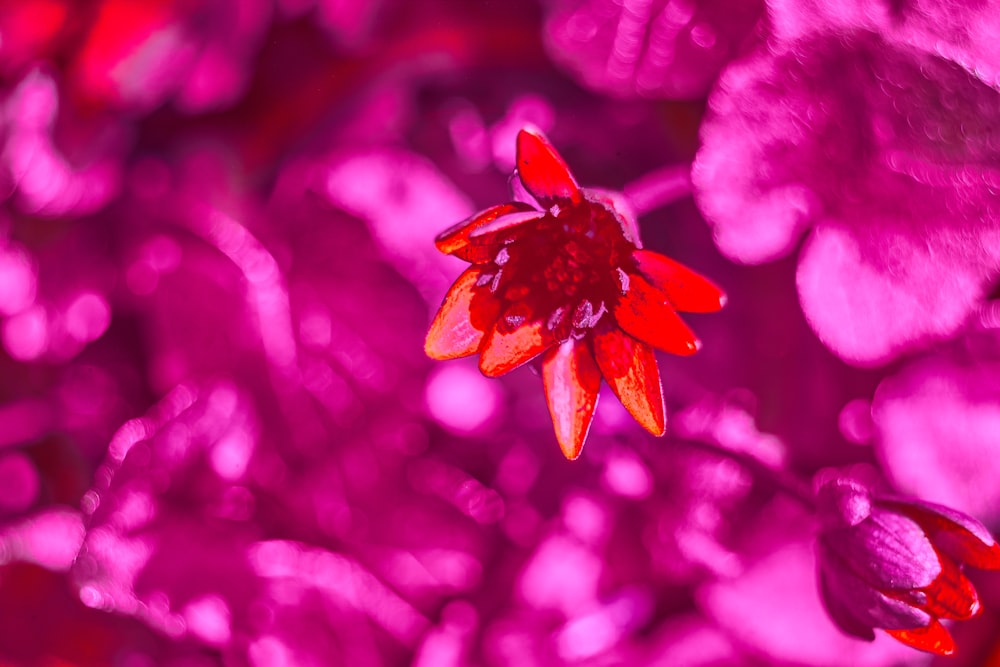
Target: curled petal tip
point(687, 290)
point(530, 128)
point(543, 171)
point(933, 639)
point(472, 239)
point(957, 534)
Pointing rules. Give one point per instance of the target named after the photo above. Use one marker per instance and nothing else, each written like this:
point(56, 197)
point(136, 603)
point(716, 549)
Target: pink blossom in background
point(936, 422)
point(649, 48)
point(884, 148)
point(46, 180)
point(137, 55)
point(962, 32)
point(221, 440)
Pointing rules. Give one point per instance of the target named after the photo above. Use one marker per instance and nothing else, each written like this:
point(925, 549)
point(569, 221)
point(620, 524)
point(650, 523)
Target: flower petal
point(887, 550)
point(630, 369)
point(572, 381)
point(502, 224)
point(455, 240)
point(543, 171)
point(466, 314)
point(688, 291)
point(645, 313)
point(956, 534)
point(933, 639)
point(841, 612)
point(866, 604)
point(951, 594)
point(504, 350)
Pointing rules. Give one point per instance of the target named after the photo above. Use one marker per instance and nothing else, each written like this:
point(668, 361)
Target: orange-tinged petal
point(629, 367)
point(688, 291)
point(951, 594)
point(572, 381)
point(645, 313)
point(504, 350)
point(455, 240)
point(933, 639)
point(543, 171)
point(466, 314)
point(495, 228)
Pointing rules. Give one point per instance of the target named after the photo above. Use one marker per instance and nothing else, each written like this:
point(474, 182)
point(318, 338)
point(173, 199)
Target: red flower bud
point(897, 565)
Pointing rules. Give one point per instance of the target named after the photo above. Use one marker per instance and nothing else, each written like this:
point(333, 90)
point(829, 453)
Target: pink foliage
point(223, 444)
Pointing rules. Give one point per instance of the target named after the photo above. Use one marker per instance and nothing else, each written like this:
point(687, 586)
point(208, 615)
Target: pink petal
point(543, 171)
point(963, 32)
point(840, 610)
point(887, 551)
point(572, 381)
point(629, 367)
point(899, 192)
point(464, 318)
point(937, 425)
point(645, 313)
point(867, 605)
point(892, 292)
point(956, 534)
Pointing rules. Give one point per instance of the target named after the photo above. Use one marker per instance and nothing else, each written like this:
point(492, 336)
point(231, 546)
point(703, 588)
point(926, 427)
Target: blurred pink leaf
point(649, 48)
point(888, 155)
point(937, 427)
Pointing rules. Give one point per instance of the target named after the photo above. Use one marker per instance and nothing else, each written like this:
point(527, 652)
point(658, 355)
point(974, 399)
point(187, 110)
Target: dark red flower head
point(897, 565)
point(561, 273)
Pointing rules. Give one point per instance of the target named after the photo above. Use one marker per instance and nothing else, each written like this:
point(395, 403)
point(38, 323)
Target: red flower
point(897, 565)
point(565, 275)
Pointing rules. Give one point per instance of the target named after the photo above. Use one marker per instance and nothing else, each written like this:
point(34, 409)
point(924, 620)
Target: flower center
point(566, 271)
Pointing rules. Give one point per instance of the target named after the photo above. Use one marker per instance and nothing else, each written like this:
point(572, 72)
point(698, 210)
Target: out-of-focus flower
point(649, 48)
point(885, 148)
point(136, 55)
point(963, 32)
point(53, 180)
point(29, 28)
point(724, 423)
point(896, 564)
point(72, 633)
point(561, 271)
point(774, 612)
point(349, 24)
point(936, 426)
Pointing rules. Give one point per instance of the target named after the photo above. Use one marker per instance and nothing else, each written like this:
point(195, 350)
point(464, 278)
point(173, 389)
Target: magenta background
point(221, 442)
